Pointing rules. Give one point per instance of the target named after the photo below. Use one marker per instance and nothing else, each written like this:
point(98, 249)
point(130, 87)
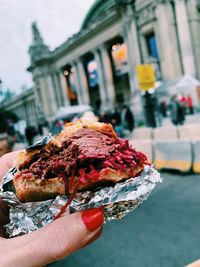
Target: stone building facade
point(97, 65)
point(25, 107)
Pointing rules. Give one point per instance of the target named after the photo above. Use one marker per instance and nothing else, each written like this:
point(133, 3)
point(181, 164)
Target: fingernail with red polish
point(93, 218)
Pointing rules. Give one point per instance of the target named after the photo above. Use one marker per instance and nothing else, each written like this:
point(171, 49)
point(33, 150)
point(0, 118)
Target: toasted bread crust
point(37, 189)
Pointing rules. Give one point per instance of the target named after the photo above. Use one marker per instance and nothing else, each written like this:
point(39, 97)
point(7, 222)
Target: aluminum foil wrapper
point(117, 200)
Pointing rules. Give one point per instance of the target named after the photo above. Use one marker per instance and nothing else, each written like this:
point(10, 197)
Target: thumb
point(57, 240)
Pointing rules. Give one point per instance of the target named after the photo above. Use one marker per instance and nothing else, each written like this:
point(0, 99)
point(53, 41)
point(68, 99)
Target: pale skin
point(49, 244)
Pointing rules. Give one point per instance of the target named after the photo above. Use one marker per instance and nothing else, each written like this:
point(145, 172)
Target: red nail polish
point(93, 218)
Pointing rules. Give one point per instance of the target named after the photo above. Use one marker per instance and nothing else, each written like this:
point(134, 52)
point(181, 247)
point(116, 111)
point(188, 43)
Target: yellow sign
point(146, 76)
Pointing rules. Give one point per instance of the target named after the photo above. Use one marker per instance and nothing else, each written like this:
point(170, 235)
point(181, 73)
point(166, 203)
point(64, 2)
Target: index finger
point(6, 162)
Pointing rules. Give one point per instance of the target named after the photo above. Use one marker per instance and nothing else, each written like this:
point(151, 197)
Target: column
point(27, 110)
point(83, 82)
point(26, 118)
point(78, 83)
point(44, 97)
point(36, 119)
point(107, 73)
point(130, 38)
point(185, 37)
point(57, 90)
point(63, 85)
point(51, 95)
point(38, 95)
point(101, 79)
point(194, 23)
point(39, 109)
point(167, 41)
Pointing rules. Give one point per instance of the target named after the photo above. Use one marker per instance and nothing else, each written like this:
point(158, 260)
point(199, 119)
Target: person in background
point(60, 125)
point(57, 126)
point(176, 111)
point(30, 133)
point(163, 108)
point(119, 129)
point(190, 104)
point(116, 121)
point(40, 129)
point(106, 117)
point(182, 106)
point(128, 118)
point(183, 102)
point(116, 117)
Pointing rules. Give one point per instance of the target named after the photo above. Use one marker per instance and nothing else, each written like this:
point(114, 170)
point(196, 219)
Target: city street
point(163, 232)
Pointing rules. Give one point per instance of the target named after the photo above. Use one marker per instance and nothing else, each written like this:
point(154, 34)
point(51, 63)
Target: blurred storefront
point(97, 65)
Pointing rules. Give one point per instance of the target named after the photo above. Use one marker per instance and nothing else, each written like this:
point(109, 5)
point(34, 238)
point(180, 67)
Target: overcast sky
point(57, 20)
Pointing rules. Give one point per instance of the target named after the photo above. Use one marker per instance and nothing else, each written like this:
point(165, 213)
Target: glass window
point(152, 45)
point(120, 58)
point(92, 73)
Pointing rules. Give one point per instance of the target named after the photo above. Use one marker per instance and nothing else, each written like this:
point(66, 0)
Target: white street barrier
point(196, 156)
point(175, 155)
point(165, 133)
point(189, 131)
point(144, 146)
point(142, 133)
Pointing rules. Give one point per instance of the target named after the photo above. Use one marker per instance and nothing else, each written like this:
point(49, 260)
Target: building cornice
point(18, 98)
point(40, 62)
point(83, 35)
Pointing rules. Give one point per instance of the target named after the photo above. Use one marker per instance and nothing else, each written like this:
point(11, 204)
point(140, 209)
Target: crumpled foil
point(117, 200)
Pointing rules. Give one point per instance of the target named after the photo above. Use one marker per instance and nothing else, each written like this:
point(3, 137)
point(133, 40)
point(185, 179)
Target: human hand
point(194, 264)
point(54, 241)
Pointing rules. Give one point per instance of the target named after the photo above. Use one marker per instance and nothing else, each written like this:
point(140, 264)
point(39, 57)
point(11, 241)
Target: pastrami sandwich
point(82, 157)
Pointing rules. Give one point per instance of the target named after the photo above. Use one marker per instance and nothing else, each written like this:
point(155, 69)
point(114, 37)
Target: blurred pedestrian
point(163, 108)
point(190, 104)
point(117, 123)
point(116, 117)
point(106, 117)
point(40, 129)
point(60, 125)
point(55, 127)
point(176, 111)
point(30, 133)
point(150, 109)
point(181, 114)
point(128, 118)
point(118, 127)
point(183, 102)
